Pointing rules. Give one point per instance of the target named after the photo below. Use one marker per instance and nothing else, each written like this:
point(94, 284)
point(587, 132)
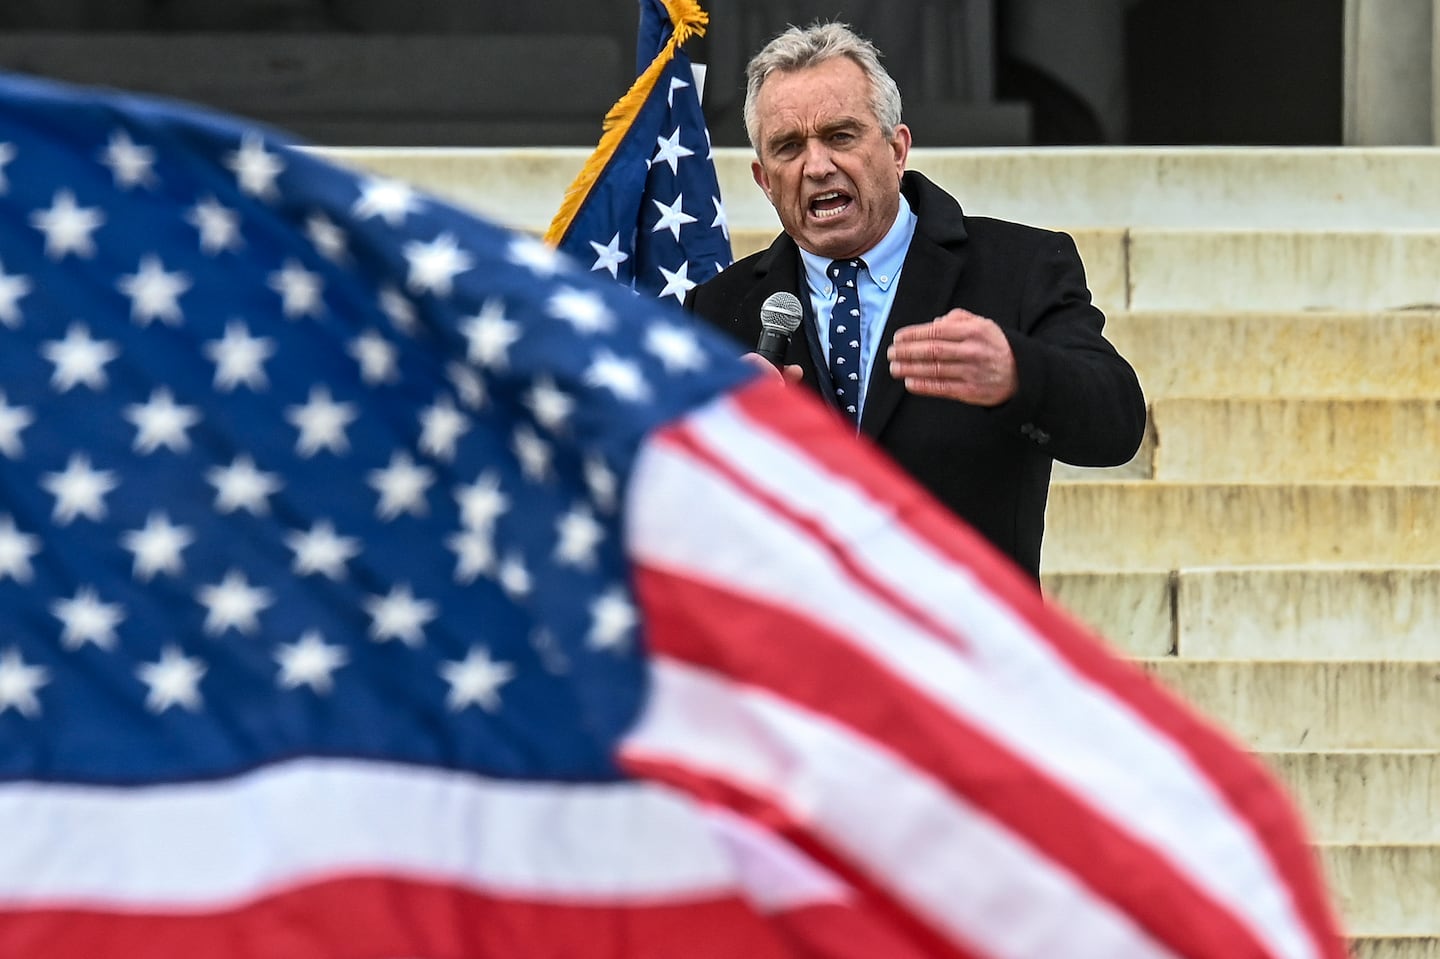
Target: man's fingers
point(761, 364)
point(946, 389)
point(789, 375)
point(930, 369)
point(935, 354)
point(928, 387)
point(935, 351)
point(957, 324)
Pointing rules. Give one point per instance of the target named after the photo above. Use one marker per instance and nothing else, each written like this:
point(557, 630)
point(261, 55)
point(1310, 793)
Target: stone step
point(1263, 187)
point(1395, 947)
point(1366, 613)
point(1157, 525)
point(1283, 269)
point(1385, 890)
point(1324, 706)
point(1281, 354)
point(1284, 440)
point(1134, 610)
point(1368, 797)
point(1267, 613)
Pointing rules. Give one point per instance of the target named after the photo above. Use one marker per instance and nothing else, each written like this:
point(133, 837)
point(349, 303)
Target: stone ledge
point(1283, 269)
point(1260, 613)
point(1157, 525)
point(1282, 440)
point(1395, 947)
point(1388, 890)
point(1362, 613)
point(1322, 706)
point(1343, 355)
point(1364, 796)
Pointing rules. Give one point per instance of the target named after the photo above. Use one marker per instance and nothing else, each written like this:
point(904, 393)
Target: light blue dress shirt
point(877, 284)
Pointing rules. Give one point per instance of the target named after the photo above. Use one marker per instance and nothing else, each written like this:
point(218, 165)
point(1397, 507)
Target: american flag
point(376, 583)
point(646, 208)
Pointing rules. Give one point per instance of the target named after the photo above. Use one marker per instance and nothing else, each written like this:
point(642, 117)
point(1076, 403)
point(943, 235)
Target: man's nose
point(819, 163)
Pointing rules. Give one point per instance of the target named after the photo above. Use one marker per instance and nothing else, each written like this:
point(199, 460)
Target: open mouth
point(825, 205)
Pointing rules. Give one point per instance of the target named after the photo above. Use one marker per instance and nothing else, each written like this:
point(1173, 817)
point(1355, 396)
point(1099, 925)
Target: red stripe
point(1245, 784)
point(774, 649)
point(378, 918)
point(846, 932)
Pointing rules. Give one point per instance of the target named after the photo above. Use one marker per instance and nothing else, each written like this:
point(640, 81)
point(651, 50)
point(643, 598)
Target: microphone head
point(781, 312)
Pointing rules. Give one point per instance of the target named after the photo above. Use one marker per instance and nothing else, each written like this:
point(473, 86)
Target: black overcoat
point(1079, 401)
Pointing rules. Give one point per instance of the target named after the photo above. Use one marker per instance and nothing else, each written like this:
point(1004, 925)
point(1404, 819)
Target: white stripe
point(775, 877)
point(962, 872)
point(199, 846)
point(1007, 681)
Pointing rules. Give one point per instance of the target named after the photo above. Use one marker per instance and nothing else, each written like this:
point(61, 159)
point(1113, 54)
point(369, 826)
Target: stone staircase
point(1273, 552)
point(1279, 566)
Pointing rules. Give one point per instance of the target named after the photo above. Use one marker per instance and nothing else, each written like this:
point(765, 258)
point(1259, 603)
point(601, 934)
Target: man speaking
point(966, 347)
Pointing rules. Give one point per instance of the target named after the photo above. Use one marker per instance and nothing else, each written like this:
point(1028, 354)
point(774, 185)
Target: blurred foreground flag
point(646, 209)
point(377, 583)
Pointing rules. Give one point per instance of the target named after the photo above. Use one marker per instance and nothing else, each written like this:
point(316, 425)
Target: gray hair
point(801, 47)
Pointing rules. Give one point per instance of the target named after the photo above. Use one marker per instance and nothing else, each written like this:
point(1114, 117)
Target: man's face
point(829, 171)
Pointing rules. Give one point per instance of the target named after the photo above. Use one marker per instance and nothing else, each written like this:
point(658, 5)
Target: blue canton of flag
point(216, 426)
point(646, 208)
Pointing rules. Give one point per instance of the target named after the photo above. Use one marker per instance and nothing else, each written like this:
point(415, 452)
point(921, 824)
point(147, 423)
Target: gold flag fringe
point(688, 20)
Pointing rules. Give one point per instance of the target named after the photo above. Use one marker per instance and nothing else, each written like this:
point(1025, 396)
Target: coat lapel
point(780, 270)
point(927, 289)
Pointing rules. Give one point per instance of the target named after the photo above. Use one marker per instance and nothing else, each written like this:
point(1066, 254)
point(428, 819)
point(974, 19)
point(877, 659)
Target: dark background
point(485, 73)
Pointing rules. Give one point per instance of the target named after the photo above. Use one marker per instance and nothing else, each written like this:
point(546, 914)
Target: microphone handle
point(772, 345)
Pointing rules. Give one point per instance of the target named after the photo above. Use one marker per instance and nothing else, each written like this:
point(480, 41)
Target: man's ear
point(761, 179)
point(900, 145)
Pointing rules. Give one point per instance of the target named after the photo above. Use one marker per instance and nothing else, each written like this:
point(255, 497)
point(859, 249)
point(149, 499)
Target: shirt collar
point(882, 261)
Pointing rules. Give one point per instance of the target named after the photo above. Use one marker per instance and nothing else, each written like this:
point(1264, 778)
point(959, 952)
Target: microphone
point(779, 317)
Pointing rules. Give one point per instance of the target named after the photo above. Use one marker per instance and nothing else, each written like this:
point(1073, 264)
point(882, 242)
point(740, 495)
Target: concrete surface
point(1366, 796)
point(1381, 612)
point(1260, 613)
point(1284, 269)
point(1133, 611)
point(1155, 525)
point(1284, 440)
point(1391, 890)
point(1395, 947)
point(1322, 706)
point(1239, 354)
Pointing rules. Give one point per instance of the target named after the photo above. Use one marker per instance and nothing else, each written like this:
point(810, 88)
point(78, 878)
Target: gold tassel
point(688, 20)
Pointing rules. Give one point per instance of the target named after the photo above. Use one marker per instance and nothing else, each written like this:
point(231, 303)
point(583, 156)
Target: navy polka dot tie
point(845, 336)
